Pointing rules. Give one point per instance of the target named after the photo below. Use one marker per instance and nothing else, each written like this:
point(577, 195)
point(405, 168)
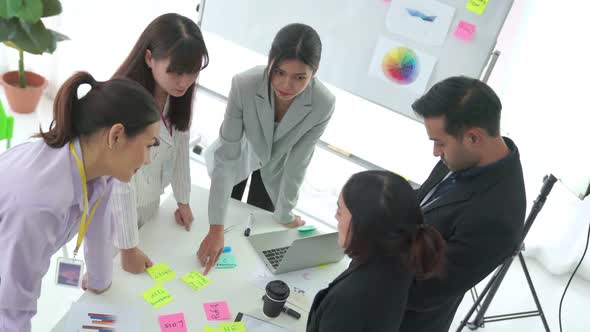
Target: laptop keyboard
point(275, 256)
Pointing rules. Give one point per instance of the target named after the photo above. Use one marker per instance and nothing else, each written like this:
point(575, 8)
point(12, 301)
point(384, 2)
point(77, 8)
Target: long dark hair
point(387, 222)
point(295, 41)
point(180, 39)
point(106, 104)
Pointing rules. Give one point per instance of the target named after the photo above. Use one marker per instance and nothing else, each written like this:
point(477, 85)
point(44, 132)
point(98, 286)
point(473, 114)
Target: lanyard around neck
point(85, 219)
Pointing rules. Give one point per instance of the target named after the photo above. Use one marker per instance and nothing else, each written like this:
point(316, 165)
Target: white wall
point(541, 78)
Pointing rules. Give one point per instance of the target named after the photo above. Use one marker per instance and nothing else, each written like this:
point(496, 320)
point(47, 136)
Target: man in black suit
point(474, 196)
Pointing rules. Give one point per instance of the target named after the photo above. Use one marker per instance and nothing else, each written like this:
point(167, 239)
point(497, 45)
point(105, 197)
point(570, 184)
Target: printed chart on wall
point(423, 21)
point(102, 318)
point(401, 66)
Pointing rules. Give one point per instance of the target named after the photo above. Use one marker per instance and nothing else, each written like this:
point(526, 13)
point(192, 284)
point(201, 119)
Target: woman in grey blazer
point(275, 116)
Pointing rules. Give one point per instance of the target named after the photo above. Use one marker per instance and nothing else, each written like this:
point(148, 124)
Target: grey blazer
point(248, 142)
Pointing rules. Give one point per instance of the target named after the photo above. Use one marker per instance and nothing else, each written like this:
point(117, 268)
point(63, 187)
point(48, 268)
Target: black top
point(482, 219)
point(365, 297)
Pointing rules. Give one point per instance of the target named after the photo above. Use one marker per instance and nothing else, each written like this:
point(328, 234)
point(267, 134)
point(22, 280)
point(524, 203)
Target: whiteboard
point(350, 31)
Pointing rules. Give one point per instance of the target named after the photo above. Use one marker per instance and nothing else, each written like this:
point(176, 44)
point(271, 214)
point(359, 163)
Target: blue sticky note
point(226, 249)
point(226, 261)
point(306, 228)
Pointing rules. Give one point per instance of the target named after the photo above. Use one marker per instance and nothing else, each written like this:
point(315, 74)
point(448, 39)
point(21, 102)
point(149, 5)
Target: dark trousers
point(257, 195)
point(437, 320)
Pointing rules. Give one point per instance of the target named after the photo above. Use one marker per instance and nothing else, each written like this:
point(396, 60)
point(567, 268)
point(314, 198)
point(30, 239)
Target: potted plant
point(22, 29)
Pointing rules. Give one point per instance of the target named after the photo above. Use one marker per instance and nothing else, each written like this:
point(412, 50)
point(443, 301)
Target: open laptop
point(288, 250)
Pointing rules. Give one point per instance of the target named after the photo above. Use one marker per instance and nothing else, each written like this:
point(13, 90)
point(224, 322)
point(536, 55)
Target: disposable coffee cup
point(277, 293)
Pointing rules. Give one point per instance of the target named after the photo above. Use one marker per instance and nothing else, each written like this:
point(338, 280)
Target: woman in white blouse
point(275, 115)
point(166, 60)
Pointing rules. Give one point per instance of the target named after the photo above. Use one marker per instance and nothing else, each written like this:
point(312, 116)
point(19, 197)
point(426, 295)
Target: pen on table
point(248, 226)
point(228, 228)
point(291, 312)
point(288, 311)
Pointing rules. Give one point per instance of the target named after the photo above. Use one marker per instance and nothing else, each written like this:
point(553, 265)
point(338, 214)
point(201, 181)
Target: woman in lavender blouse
point(47, 185)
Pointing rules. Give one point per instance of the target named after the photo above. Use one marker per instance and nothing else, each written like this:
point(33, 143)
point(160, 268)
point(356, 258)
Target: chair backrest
point(6, 126)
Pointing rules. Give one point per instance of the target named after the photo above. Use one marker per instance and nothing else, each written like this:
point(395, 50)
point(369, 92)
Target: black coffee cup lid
point(277, 290)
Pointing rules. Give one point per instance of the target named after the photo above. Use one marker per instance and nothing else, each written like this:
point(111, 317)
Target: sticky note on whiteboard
point(477, 6)
point(465, 31)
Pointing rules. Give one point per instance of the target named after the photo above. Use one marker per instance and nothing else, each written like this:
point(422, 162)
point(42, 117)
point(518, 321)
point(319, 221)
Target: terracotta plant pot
point(23, 100)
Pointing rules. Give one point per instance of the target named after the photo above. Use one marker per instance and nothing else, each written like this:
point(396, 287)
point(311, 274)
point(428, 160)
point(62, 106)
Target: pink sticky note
point(173, 323)
point(217, 310)
point(465, 31)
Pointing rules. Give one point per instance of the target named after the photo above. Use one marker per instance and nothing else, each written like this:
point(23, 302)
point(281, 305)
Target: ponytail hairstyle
point(387, 223)
point(180, 39)
point(106, 104)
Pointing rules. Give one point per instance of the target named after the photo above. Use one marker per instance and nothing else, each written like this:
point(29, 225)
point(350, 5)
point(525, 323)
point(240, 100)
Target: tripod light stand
point(483, 300)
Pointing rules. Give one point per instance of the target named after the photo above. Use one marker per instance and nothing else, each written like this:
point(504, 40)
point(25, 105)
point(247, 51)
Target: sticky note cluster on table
point(157, 296)
point(477, 6)
point(196, 280)
point(226, 261)
point(161, 272)
point(173, 323)
point(217, 310)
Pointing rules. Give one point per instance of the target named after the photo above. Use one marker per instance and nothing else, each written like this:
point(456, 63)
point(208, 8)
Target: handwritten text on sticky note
point(226, 261)
point(211, 329)
point(157, 296)
point(465, 31)
point(217, 310)
point(233, 327)
point(161, 272)
point(173, 323)
point(196, 280)
point(477, 6)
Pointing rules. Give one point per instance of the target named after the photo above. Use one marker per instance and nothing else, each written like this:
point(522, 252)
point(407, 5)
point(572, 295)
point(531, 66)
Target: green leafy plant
point(21, 28)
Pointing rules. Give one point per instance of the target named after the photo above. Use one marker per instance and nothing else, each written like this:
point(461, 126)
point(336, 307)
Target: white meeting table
point(165, 241)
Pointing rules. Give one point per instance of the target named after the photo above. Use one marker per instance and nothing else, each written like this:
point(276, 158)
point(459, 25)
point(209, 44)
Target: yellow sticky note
point(233, 327)
point(211, 329)
point(324, 265)
point(196, 280)
point(157, 296)
point(161, 272)
point(477, 6)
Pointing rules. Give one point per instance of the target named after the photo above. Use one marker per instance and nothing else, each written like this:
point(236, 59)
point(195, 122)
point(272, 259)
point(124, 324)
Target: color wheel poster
point(101, 318)
point(424, 21)
point(401, 66)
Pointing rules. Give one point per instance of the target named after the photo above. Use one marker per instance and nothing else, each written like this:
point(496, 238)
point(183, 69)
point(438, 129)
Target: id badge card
point(69, 272)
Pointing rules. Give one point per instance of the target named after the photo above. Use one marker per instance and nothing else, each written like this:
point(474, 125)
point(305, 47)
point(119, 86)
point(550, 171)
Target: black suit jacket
point(482, 221)
point(366, 297)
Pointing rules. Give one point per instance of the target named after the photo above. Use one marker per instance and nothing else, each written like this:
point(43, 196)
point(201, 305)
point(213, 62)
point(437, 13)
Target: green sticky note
point(324, 265)
point(233, 327)
point(157, 296)
point(226, 261)
point(304, 229)
point(161, 272)
point(211, 329)
point(477, 6)
point(196, 280)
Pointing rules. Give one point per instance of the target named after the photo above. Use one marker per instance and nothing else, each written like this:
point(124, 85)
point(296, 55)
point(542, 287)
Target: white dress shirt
point(169, 165)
